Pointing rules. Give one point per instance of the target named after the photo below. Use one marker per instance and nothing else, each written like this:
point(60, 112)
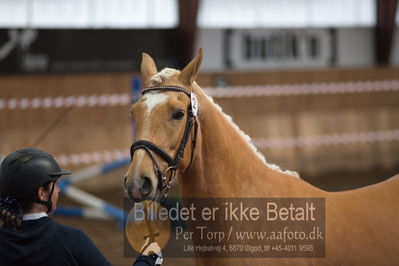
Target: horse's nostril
point(146, 187)
point(125, 183)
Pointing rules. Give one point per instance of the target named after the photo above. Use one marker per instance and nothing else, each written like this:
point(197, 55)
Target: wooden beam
point(384, 30)
point(187, 30)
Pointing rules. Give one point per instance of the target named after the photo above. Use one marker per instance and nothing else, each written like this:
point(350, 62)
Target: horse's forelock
point(163, 75)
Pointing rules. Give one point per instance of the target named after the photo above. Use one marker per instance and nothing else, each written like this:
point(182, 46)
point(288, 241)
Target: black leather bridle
point(165, 179)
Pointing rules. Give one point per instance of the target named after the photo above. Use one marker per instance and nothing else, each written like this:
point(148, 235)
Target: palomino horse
point(361, 224)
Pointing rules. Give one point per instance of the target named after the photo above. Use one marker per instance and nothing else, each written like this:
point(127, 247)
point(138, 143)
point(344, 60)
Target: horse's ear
point(189, 73)
point(148, 68)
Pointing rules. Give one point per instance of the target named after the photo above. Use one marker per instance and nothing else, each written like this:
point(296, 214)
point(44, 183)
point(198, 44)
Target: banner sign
point(259, 49)
point(273, 48)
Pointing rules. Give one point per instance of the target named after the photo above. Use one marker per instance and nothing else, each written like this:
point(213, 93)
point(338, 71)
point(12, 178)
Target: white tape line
point(84, 197)
point(95, 157)
point(304, 89)
point(225, 92)
point(332, 139)
point(65, 101)
point(93, 201)
point(95, 214)
point(85, 173)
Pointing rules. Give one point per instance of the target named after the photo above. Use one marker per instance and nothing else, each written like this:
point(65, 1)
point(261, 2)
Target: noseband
point(165, 179)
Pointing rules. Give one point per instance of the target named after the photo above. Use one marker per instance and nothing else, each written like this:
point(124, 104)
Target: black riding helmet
point(24, 171)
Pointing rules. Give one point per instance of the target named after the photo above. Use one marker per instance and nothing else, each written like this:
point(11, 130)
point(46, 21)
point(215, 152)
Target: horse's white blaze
point(140, 155)
point(153, 100)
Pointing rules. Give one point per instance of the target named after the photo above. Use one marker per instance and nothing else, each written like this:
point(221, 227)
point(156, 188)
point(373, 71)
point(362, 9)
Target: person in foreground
point(28, 193)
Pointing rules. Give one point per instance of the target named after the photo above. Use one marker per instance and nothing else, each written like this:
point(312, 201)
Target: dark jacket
point(45, 242)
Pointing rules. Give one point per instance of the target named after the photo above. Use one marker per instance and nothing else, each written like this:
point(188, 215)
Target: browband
point(169, 88)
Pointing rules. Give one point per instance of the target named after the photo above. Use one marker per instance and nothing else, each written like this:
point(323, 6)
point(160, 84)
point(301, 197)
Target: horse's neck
point(226, 166)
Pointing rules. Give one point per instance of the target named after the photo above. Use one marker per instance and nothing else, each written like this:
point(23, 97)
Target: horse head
point(166, 125)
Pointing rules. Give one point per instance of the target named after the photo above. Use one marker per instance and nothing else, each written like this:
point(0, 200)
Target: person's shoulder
point(79, 245)
point(71, 232)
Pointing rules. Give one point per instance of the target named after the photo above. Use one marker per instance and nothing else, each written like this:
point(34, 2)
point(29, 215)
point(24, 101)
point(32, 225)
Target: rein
point(165, 179)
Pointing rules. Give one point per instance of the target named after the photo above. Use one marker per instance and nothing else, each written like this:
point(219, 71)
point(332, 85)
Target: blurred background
point(315, 83)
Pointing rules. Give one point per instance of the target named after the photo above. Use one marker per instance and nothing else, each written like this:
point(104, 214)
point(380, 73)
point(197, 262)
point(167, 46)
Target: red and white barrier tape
point(332, 139)
point(225, 92)
point(91, 157)
point(304, 89)
point(65, 101)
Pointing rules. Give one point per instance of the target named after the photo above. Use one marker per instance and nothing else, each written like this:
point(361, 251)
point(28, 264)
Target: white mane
point(250, 143)
point(169, 72)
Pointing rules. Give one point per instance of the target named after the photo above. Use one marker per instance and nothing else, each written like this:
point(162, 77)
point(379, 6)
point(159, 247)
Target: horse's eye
point(178, 115)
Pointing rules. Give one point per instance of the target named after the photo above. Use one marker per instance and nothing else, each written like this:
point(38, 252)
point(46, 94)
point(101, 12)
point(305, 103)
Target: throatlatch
point(165, 179)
